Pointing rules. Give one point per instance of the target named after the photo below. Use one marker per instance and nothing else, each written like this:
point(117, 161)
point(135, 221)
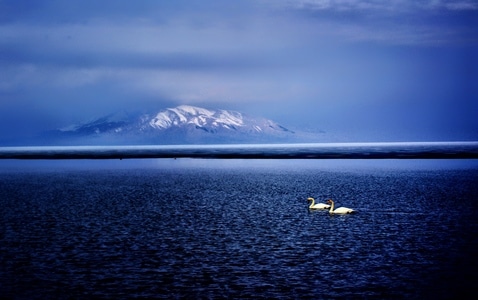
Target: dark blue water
point(238, 229)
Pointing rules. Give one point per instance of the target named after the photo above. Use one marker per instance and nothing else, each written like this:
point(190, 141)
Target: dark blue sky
point(360, 70)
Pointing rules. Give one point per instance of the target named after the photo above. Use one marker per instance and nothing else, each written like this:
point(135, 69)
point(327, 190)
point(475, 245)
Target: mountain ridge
point(184, 124)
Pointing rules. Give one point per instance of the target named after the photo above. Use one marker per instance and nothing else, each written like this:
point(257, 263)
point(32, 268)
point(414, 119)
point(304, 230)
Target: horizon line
point(353, 150)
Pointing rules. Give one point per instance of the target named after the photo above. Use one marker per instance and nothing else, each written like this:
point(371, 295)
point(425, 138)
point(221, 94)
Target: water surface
point(202, 229)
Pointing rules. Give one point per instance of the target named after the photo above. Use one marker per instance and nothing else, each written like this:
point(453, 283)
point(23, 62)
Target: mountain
point(180, 125)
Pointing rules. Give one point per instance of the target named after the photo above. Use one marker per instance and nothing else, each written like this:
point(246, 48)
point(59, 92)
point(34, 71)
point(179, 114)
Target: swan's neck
point(331, 207)
point(313, 203)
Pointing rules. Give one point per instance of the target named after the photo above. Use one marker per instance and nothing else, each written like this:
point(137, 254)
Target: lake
point(191, 228)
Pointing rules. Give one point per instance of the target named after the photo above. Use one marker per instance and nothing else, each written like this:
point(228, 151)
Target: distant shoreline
point(392, 150)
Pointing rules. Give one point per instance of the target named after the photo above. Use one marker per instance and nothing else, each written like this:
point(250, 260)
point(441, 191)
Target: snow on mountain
point(182, 124)
point(185, 115)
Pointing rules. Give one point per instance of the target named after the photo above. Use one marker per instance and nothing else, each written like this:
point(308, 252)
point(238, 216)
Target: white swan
point(340, 210)
point(318, 205)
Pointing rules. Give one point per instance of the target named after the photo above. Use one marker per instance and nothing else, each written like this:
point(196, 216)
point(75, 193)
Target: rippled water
point(235, 232)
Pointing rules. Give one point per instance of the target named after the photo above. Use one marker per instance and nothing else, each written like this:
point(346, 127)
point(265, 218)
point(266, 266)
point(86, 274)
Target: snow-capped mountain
point(212, 120)
point(180, 125)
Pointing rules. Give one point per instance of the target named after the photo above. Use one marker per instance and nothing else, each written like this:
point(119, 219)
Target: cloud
point(314, 59)
point(470, 5)
point(397, 6)
point(178, 58)
point(399, 22)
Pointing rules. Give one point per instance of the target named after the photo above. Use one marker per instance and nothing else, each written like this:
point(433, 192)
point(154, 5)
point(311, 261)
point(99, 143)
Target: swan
point(318, 205)
point(340, 210)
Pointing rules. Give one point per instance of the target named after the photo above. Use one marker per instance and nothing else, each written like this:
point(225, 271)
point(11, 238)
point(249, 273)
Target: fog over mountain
point(179, 125)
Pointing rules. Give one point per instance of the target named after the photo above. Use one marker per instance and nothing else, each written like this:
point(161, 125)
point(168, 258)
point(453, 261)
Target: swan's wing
point(343, 210)
point(321, 206)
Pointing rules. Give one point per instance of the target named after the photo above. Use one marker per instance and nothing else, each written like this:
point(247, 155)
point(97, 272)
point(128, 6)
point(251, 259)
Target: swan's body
point(340, 210)
point(318, 205)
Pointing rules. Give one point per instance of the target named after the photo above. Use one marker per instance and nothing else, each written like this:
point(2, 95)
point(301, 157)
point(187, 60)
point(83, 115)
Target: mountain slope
point(180, 125)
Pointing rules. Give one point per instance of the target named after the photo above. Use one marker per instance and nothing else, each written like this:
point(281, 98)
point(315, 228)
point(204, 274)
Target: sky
point(363, 70)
